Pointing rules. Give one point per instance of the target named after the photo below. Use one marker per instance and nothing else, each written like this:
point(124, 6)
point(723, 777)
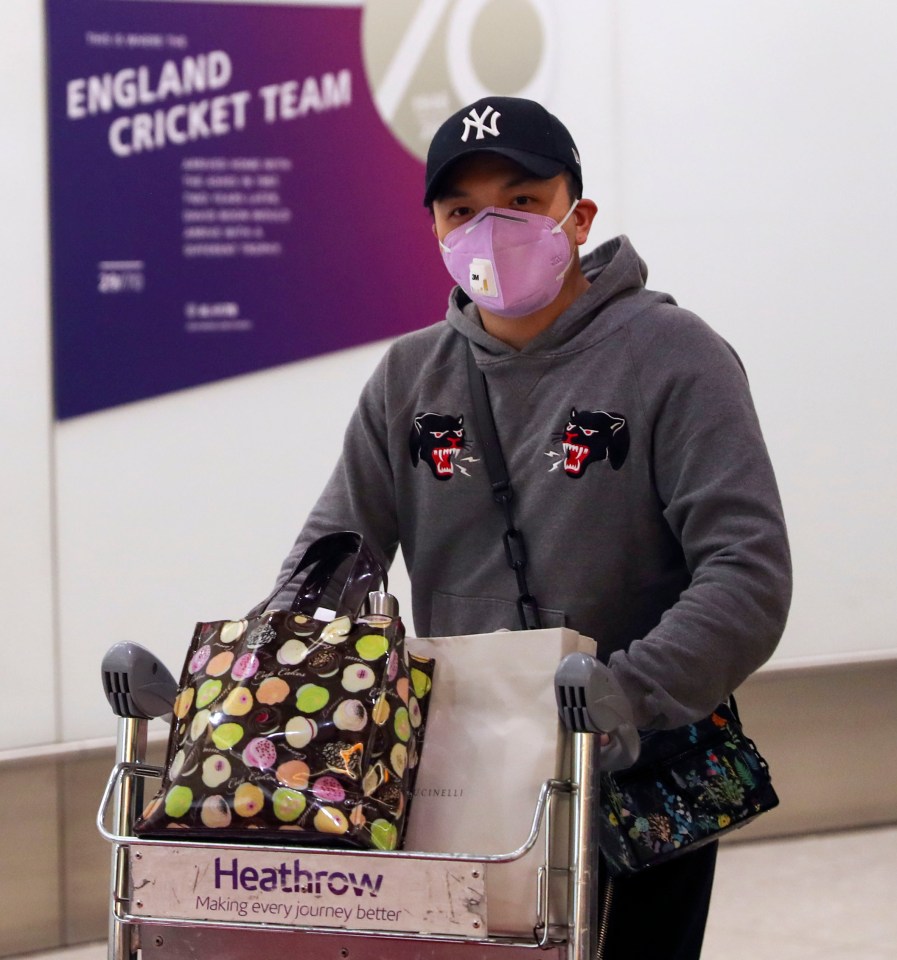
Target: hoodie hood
point(614, 270)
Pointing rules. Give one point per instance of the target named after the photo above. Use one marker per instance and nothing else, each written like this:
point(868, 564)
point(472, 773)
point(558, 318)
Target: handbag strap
point(515, 548)
point(338, 560)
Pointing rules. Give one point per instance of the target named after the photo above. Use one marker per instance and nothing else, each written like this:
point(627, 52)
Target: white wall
point(757, 154)
point(746, 149)
point(182, 508)
point(29, 684)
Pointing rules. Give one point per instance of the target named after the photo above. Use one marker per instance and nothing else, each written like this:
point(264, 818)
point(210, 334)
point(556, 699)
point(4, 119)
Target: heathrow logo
point(477, 122)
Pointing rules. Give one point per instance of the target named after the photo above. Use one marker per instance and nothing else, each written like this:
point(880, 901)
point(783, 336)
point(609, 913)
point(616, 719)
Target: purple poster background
point(204, 227)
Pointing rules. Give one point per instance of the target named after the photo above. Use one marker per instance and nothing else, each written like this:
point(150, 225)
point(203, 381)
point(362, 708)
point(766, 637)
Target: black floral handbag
point(689, 786)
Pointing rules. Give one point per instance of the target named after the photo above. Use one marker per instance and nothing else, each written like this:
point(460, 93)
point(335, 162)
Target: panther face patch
point(438, 441)
point(588, 437)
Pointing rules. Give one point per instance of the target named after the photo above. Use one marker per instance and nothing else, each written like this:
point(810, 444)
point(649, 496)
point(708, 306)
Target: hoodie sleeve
point(719, 496)
point(360, 494)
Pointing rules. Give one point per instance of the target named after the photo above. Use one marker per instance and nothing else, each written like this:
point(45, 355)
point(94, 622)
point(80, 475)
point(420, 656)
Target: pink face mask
point(509, 262)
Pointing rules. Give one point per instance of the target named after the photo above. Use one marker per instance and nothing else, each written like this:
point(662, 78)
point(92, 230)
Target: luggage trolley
point(167, 901)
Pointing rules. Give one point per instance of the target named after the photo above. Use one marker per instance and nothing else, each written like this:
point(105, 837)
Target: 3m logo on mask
point(482, 278)
point(475, 121)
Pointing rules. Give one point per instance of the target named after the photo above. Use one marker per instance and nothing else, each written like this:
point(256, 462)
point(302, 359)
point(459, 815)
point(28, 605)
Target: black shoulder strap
point(485, 424)
point(515, 549)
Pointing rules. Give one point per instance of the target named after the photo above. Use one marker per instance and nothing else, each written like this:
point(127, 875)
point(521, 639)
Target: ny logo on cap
point(478, 123)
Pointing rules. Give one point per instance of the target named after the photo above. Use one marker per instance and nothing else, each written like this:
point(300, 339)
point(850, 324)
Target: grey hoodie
point(642, 486)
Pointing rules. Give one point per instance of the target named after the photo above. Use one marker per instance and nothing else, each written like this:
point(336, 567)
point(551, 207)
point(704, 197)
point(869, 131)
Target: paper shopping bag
point(493, 738)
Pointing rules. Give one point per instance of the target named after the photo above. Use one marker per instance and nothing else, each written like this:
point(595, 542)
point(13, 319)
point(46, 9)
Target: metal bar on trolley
point(582, 901)
point(132, 769)
point(131, 744)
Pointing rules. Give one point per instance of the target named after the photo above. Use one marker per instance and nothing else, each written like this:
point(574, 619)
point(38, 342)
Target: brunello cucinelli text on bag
point(291, 727)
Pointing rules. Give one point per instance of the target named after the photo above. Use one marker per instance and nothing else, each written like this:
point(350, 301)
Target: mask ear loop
point(557, 229)
point(567, 216)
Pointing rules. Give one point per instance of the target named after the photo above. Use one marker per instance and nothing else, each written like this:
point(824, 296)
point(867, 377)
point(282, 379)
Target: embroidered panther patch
point(591, 436)
point(438, 440)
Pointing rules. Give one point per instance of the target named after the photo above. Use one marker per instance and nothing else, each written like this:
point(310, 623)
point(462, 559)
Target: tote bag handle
point(328, 557)
point(336, 561)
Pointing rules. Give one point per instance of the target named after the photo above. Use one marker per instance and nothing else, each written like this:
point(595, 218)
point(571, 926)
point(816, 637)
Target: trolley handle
point(137, 684)
point(591, 700)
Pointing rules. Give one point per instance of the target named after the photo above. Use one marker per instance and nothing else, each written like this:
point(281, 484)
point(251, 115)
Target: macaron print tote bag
point(288, 726)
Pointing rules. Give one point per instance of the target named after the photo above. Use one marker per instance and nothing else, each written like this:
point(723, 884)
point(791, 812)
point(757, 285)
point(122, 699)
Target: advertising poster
point(225, 197)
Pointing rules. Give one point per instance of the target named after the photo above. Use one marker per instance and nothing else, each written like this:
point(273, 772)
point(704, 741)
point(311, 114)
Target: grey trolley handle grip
point(590, 700)
point(136, 683)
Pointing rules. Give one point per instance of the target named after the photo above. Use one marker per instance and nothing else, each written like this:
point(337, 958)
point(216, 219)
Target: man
point(641, 480)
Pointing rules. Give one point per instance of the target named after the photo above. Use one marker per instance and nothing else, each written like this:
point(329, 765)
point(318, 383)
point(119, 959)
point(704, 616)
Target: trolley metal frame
point(568, 931)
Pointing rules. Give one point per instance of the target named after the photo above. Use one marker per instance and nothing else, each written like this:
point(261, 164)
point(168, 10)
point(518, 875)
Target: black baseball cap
point(522, 130)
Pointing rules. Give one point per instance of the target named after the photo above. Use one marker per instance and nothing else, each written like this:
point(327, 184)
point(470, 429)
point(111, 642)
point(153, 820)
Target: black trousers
point(660, 914)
